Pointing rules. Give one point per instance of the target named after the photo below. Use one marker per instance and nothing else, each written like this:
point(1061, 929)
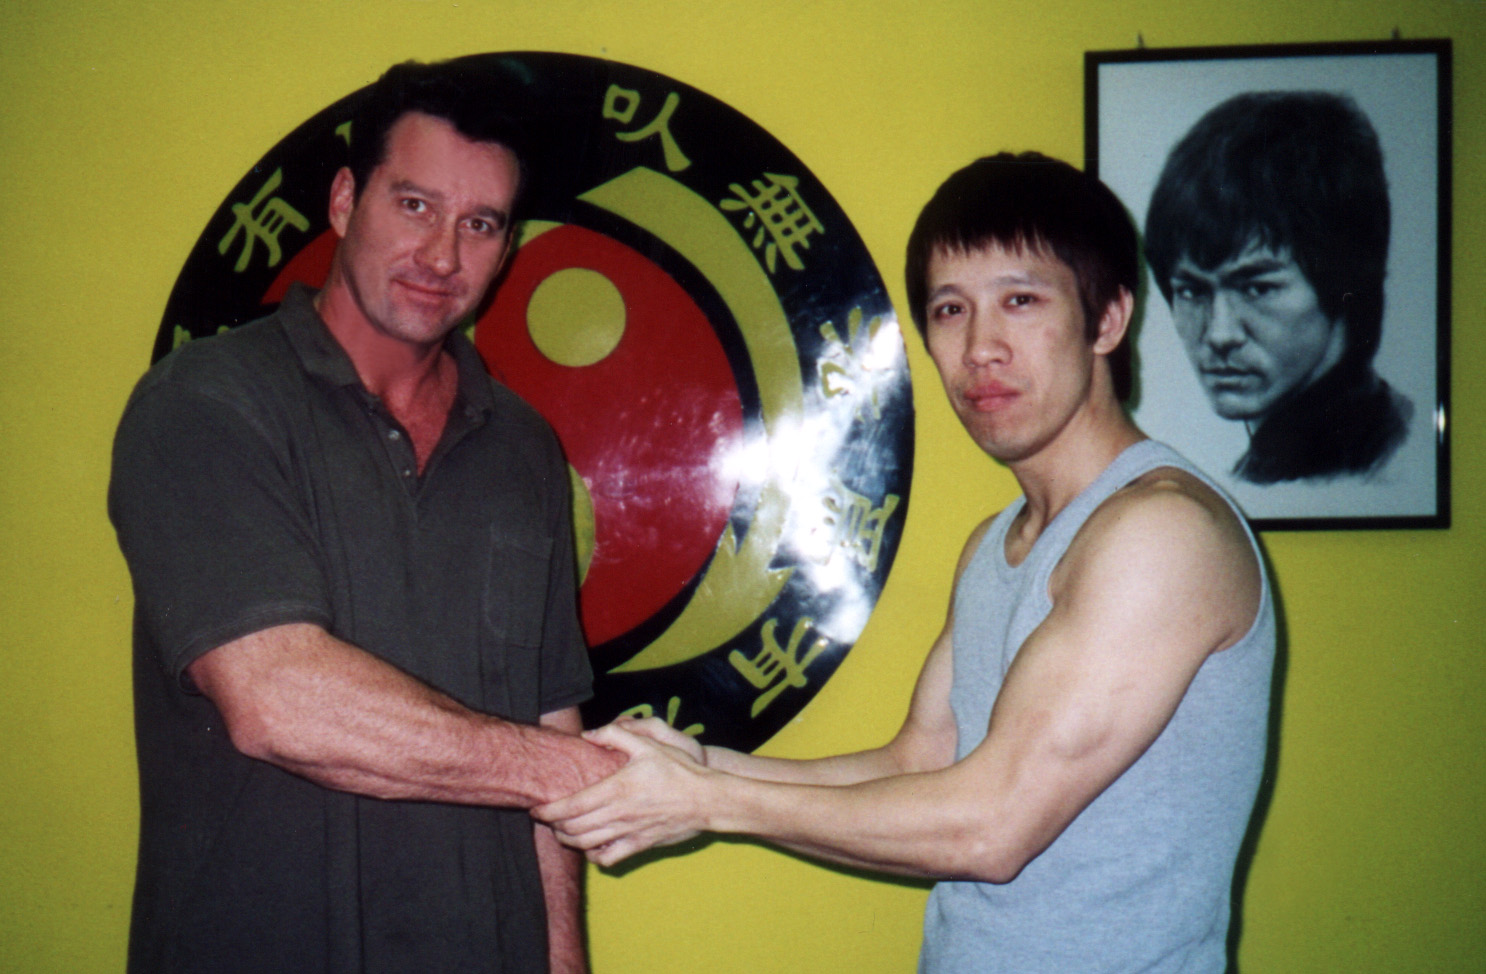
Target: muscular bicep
point(1154, 585)
point(929, 737)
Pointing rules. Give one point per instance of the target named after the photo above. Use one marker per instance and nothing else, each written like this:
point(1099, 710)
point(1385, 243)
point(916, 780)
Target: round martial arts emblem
point(705, 331)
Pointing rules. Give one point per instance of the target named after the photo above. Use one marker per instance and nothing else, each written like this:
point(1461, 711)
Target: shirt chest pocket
point(516, 585)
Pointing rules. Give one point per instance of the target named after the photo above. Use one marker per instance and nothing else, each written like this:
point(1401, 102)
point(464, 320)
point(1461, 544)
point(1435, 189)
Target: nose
point(440, 250)
point(1225, 329)
point(985, 340)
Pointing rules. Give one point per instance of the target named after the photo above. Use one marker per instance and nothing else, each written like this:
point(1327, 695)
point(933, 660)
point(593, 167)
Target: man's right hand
point(661, 732)
point(660, 798)
point(574, 762)
point(297, 697)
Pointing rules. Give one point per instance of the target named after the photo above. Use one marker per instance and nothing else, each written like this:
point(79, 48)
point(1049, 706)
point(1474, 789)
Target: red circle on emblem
point(647, 409)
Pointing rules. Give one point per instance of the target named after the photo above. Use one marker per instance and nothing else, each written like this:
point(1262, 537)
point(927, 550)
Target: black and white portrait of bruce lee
point(1267, 235)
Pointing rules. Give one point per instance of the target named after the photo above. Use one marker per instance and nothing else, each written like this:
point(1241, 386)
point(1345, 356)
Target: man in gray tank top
point(1081, 756)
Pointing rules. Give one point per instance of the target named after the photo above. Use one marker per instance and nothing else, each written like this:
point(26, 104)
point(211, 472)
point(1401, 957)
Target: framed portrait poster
point(1293, 203)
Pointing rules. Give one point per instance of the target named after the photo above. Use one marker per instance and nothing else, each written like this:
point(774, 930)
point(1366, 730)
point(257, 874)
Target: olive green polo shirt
point(256, 482)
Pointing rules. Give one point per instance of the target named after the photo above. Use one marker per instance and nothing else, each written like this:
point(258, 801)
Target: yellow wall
point(123, 125)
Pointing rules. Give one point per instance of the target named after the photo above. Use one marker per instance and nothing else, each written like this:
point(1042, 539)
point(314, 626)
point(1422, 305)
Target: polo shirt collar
point(475, 395)
point(318, 351)
point(322, 356)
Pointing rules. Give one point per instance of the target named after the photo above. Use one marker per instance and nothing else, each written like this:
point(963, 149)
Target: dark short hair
point(484, 99)
point(1030, 202)
point(1295, 171)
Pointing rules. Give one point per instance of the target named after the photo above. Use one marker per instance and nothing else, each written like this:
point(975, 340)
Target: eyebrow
point(1257, 266)
point(1013, 279)
point(408, 186)
point(1247, 270)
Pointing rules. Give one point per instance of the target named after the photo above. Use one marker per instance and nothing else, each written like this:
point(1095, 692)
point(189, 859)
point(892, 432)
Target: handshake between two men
point(665, 793)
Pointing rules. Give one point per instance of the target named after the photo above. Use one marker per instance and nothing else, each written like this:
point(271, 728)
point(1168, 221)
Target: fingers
point(622, 737)
point(588, 835)
point(607, 840)
point(567, 809)
point(621, 847)
point(595, 816)
point(643, 725)
point(618, 737)
point(652, 801)
point(662, 732)
point(615, 852)
point(578, 804)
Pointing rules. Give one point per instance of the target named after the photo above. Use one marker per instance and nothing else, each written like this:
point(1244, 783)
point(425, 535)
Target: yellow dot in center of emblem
point(576, 317)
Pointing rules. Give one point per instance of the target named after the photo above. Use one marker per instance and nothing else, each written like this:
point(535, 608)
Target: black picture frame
point(1139, 105)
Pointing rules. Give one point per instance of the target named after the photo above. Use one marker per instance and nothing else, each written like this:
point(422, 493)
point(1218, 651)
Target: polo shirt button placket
point(395, 436)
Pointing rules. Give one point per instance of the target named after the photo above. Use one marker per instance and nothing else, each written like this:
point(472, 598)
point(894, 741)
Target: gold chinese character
point(673, 707)
point(856, 525)
point(846, 362)
point(181, 336)
point(779, 213)
point(775, 668)
point(264, 225)
point(620, 104)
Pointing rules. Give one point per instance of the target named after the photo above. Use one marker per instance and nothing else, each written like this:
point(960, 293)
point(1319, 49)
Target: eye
point(1186, 291)
point(945, 310)
point(1020, 300)
point(413, 204)
point(1255, 290)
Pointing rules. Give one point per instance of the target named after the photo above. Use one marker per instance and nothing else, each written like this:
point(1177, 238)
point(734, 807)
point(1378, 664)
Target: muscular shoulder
point(1170, 506)
point(1166, 542)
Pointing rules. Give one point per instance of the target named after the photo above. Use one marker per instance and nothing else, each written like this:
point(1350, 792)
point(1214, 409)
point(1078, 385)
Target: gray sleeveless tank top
point(1141, 880)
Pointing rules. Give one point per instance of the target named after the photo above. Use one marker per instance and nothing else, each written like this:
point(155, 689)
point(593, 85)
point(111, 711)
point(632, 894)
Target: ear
point(342, 200)
point(1114, 323)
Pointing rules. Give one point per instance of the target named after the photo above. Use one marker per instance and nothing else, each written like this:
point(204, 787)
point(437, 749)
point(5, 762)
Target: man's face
point(429, 231)
point(1254, 330)
point(1007, 332)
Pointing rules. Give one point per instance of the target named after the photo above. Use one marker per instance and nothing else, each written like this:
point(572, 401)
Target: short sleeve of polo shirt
point(218, 541)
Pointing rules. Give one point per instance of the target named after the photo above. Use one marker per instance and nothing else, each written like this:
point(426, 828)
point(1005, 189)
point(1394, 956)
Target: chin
point(1001, 450)
point(422, 332)
point(1003, 446)
point(1228, 409)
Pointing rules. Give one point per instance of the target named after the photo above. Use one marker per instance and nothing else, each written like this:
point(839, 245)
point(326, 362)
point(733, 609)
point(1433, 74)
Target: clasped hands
point(657, 798)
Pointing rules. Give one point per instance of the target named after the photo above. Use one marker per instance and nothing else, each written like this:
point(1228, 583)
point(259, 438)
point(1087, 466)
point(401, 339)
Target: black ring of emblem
point(847, 496)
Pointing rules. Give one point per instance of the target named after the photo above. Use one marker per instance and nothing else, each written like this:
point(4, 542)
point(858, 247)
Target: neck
point(1053, 476)
point(392, 369)
point(415, 381)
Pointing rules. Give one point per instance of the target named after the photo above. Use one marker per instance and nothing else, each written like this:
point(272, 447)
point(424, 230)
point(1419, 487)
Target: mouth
point(990, 396)
point(427, 291)
point(1229, 377)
